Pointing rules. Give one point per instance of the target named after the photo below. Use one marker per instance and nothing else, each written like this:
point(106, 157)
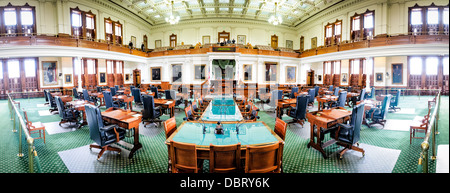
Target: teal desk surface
point(222, 108)
point(254, 133)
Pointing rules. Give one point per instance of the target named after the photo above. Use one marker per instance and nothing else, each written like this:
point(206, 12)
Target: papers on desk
point(169, 102)
point(137, 115)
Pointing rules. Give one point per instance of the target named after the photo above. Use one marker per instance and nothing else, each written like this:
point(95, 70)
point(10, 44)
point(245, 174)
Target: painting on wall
point(247, 72)
point(49, 73)
point(397, 73)
point(313, 42)
point(176, 73)
point(241, 39)
point(271, 72)
point(127, 77)
point(206, 40)
point(102, 77)
point(319, 77)
point(289, 44)
point(157, 43)
point(133, 41)
point(344, 78)
point(290, 74)
point(379, 77)
point(67, 78)
point(199, 72)
point(155, 73)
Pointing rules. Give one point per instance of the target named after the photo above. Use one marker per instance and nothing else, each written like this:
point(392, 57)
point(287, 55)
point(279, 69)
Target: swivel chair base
point(103, 149)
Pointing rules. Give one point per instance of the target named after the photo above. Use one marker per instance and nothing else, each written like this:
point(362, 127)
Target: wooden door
point(274, 41)
point(145, 43)
point(173, 40)
point(223, 36)
point(310, 78)
point(137, 77)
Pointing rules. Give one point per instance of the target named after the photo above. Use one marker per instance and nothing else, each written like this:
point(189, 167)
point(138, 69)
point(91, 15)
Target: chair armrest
point(342, 126)
point(108, 127)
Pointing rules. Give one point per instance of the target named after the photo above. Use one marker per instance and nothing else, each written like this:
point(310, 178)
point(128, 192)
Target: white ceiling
point(292, 11)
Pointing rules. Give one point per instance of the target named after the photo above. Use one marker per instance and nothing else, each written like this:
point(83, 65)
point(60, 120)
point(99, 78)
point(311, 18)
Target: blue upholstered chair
point(349, 89)
point(275, 96)
point(341, 100)
point(75, 93)
point(150, 113)
point(137, 96)
point(102, 135)
point(117, 87)
point(171, 94)
point(299, 111)
point(378, 115)
point(51, 102)
point(293, 91)
point(68, 115)
point(330, 88)
point(312, 96)
point(45, 96)
point(154, 90)
point(394, 101)
point(336, 91)
point(109, 102)
point(316, 89)
point(371, 94)
point(113, 91)
point(87, 97)
point(348, 135)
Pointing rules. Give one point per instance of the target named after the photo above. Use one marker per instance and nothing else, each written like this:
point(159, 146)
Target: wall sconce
point(387, 75)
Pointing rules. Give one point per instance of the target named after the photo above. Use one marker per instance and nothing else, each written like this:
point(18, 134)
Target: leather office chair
point(330, 88)
point(280, 128)
point(99, 89)
point(316, 89)
point(348, 135)
point(113, 91)
point(67, 114)
point(117, 87)
point(371, 94)
point(264, 159)
point(312, 96)
point(224, 158)
point(336, 91)
point(349, 89)
point(294, 91)
point(378, 115)
point(171, 94)
point(102, 135)
point(299, 111)
point(51, 102)
point(45, 96)
point(87, 97)
point(150, 113)
point(136, 93)
point(109, 102)
point(170, 126)
point(394, 101)
point(184, 158)
point(154, 90)
point(341, 100)
point(75, 93)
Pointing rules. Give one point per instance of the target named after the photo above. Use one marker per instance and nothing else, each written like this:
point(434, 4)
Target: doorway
point(137, 78)
point(310, 78)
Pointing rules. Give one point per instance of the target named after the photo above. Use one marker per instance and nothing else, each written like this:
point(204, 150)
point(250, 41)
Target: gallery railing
point(430, 136)
point(21, 127)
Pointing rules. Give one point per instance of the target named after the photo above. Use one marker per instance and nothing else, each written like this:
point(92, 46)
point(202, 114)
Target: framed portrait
point(291, 73)
point(206, 40)
point(379, 77)
point(127, 77)
point(157, 43)
point(200, 72)
point(247, 72)
point(133, 40)
point(289, 44)
point(155, 73)
point(176, 72)
point(271, 72)
point(319, 77)
point(397, 73)
point(313, 42)
point(344, 78)
point(67, 78)
point(49, 73)
point(241, 39)
point(102, 77)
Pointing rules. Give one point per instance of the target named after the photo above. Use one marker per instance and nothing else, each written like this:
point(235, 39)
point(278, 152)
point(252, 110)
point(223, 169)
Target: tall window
point(327, 67)
point(113, 31)
point(83, 24)
point(1, 70)
point(362, 26)
point(355, 66)
point(13, 69)
point(333, 33)
point(432, 65)
point(431, 20)
point(17, 20)
point(30, 67)
point(415, 66)
point(445, 65)
point(91, 66)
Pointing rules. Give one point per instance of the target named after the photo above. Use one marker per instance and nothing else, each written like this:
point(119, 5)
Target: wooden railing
point(67, 40)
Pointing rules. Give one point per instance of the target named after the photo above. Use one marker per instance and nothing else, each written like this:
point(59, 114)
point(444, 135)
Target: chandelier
point(275, 19)
point(172, 19)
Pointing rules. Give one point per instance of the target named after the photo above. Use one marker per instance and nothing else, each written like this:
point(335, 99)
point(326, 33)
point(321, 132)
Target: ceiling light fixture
point(172, 19)
point(275, 19)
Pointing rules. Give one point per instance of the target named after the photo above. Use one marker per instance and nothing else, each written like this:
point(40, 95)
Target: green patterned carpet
point(297, 158)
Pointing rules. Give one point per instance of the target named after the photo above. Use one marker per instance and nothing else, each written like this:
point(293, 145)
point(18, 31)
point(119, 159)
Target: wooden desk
point(351, 96)
point(325, 99)
point(126, 119)
point(79, 106)
point(99, 96)
point(65, 98)
point(324, 120)
point(126, 99)
point(167, 104)
point(285, 103)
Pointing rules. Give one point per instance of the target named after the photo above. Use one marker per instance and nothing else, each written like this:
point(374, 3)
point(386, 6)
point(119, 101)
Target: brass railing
point(16, 116)
point(431, 133)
